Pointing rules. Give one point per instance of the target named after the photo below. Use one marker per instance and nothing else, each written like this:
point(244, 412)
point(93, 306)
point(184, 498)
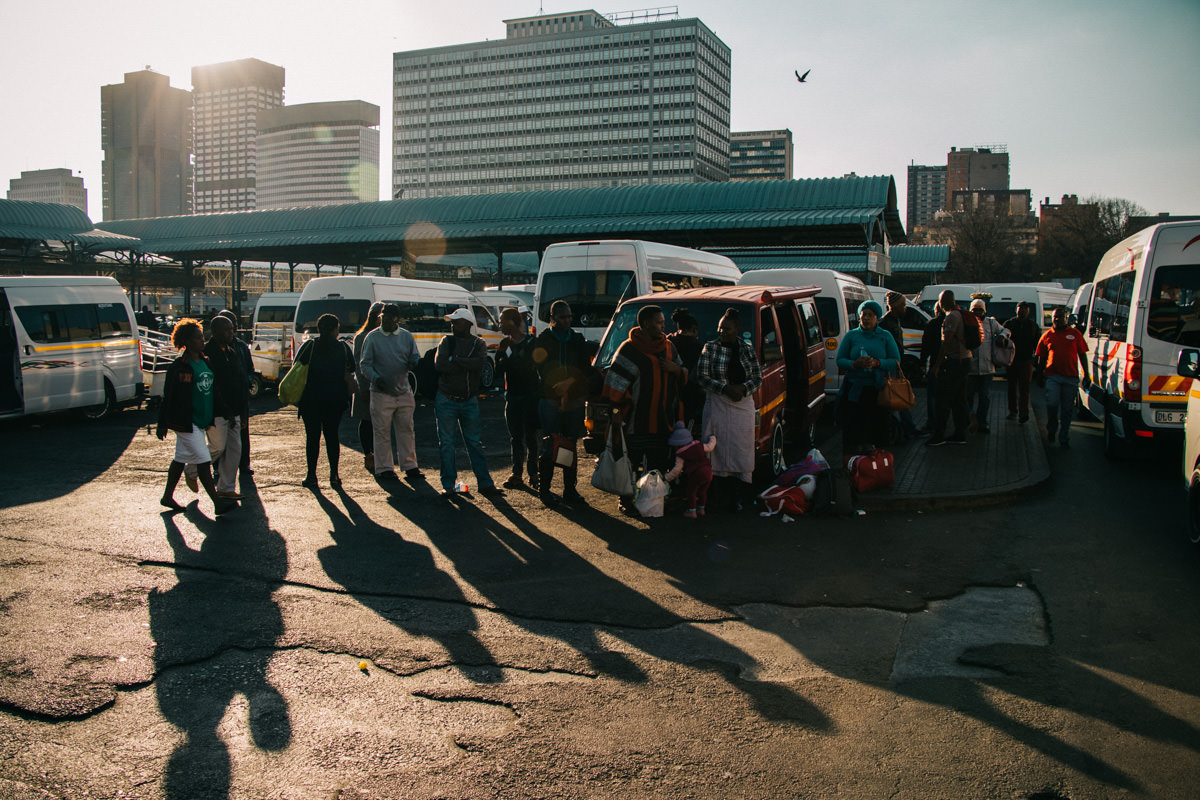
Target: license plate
point(1169, 417)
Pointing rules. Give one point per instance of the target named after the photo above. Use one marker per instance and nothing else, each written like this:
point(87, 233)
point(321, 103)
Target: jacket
point(231, 383)
point(175, 413)
point(560, 360)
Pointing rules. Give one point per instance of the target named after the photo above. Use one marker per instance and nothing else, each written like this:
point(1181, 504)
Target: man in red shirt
point(1058, 353)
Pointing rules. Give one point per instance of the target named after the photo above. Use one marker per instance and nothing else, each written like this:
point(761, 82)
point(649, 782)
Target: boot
point(545, 476)
point(570, 493)
point(369, 462)
point(534, 479)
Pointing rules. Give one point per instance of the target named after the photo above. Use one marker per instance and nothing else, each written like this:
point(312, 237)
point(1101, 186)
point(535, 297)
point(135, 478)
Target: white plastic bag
point(652, 490)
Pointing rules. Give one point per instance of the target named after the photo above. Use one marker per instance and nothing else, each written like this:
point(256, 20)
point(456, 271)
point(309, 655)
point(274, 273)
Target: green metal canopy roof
point(904, 258)
point(920, 258)
point(846, 211)
point(27, 221)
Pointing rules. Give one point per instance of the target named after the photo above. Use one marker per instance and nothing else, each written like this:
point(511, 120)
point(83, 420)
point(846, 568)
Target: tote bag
point(292, 385)
point(614, 475)
point(1003, 351)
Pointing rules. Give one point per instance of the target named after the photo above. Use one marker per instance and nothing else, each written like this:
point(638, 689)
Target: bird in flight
point(800, 77)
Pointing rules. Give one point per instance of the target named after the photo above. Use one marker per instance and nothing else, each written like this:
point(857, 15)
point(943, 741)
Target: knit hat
point(872, 305)
point(680, 436)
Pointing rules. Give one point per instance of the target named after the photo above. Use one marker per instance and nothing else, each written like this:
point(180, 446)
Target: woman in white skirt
point(729, 372)
point(187, 409)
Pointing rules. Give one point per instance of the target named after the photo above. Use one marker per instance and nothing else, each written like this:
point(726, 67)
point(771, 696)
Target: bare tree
point(1114, 214)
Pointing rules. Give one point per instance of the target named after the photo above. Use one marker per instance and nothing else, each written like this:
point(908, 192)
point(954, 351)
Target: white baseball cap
point(461, 313)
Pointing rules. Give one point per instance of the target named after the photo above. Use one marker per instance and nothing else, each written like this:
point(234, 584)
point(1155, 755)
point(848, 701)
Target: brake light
point(1133, 374)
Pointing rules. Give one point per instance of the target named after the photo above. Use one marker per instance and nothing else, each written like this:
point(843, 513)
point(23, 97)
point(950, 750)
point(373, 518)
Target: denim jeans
point(979, 386)
point(454, 416)
point(1060, 405)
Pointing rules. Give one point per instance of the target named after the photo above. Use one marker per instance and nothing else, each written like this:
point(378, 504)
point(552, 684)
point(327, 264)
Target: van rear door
point(11, 401)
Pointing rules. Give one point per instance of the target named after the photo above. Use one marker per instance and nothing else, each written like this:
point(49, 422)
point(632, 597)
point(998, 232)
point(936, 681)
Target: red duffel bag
point(873, 471)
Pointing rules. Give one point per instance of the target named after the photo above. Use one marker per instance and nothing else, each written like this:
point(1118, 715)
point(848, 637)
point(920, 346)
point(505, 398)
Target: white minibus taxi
point(837, 305)
point(1145, 309)
point(271, 338)
point(1002, 298)
point(423, 305)
point(69, 343)
point(595, 277)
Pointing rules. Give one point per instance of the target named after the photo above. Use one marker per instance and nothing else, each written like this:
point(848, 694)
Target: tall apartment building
point(146, 135)
point(49, 186)
point(318, 154)
point(760, 155)
point(564, 101)
point(926, 194)
point(969, 168)
point(227, 99)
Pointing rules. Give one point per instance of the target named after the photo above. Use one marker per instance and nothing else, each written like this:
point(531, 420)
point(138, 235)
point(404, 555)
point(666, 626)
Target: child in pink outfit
point(691, 461)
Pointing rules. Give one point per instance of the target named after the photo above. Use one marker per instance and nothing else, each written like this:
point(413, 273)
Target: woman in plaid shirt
point(730, 373)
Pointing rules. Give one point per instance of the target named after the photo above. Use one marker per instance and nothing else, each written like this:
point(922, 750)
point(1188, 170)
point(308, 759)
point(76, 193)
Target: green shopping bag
point(292, 386)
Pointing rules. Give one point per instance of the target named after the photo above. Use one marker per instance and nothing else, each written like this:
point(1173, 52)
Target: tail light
point(1133, 374)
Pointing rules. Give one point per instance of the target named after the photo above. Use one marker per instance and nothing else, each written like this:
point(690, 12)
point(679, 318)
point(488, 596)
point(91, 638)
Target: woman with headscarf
point(360, 405)
point(730, 373)
point(866, 356)
point(326, 396)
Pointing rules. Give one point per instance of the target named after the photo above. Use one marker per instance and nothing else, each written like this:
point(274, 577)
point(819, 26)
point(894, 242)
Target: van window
point(772, 347)
point(1002, 310)
point(663, 281)
point(76, 322)
point(915, 319)
point(351, 313)
point(812, 323)
point(828, 309)
point(593, 294)
point(1110, 306)
point(852, 304)
point(1173, 313)
point(483, 319)
point(707, 315)
point(277, 313)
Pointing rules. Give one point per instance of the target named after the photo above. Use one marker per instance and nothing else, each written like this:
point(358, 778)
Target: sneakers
point(335, 483)
point(514, 482)
point(689, 514)
point(230, 495)
point(413, 474)
point(492, 492)
point(310, 482)
point(959, 439)
point(936, 441)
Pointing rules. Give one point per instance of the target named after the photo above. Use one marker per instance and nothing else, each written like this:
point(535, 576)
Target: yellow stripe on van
point(816, 376)
point(83, 345)
point(767, 408)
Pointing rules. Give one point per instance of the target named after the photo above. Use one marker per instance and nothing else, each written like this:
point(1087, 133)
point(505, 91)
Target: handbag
point(873, 471)
point(1004, 350)
point(291, 387)
point(896, 394)
point(614, 475)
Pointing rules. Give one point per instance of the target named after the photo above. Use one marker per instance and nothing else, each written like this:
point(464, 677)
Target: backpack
point(972, 330)
point(833, 493)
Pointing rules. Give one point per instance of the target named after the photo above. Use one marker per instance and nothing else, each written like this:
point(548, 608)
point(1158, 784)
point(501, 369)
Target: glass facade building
point(318, 154)
point(49, 186)
point(226, 100)
point(926, 193)
point(565, 101)
point(760, 155)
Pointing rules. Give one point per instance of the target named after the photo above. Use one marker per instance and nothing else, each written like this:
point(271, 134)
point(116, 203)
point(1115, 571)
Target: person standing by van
point(243, 351)
point(981, 369)
point(459, 363)
point(686, 339)
point(360, 405)
point(564, 366)
point(1025, 335)
point(893, 323)
point(326, 397)
point(1058, 351)
point(230, 387)
point(949, 368)
point(867, 355)
point(514, 361)
point(389, 353)
point(187, 409)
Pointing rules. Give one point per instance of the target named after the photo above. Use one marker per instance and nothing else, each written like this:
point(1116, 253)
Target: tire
point(256, 385)
point(1194, 509)
point(102, 410)
point(775, 461)
point(487, 376)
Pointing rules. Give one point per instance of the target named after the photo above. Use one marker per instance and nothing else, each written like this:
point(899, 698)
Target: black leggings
point(322, 419)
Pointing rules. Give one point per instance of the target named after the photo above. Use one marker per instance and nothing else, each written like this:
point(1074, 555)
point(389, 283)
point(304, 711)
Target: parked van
point(498, 298)
point(1145, 309)
point(271, 338)
point(69, 343)
point(837, 304)
point(1078, 306)
point(912, 326)
point(595, 277)
point(1002, 298)
point(1189, 368)
point(783, 325)
point(424, 305)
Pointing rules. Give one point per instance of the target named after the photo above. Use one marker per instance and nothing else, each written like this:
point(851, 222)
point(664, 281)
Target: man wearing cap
point(389, 353)
point(981, 369)
point(459, 363)
point(1025, 334)
point(1060, 352)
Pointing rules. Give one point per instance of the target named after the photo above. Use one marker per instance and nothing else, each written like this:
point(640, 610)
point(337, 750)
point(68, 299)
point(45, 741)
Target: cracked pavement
point(367, 645)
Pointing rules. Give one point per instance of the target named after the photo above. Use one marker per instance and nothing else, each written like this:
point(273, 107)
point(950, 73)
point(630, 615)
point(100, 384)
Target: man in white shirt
point(389, 354)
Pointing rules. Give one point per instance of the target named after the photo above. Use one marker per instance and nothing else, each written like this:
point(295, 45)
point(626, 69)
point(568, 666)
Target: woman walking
point(360, 406)
point(730, 374)
point(326, 396)
point(187, 409)
point(867, 355)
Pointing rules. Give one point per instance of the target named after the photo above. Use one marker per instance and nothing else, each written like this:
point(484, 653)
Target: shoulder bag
point(614, 475)
point(291, 387)
point(896, 394)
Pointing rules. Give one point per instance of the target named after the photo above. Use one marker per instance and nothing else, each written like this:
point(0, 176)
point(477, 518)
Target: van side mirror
point(1189, 363)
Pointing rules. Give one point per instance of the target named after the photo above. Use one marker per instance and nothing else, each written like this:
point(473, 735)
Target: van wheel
point(256, 385)
point(1194, 510)
point(487, 376)
point(1115, 447)
point(102, 410)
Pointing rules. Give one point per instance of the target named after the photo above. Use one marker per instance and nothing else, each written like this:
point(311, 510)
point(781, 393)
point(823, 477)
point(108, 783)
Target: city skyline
point(891, 84)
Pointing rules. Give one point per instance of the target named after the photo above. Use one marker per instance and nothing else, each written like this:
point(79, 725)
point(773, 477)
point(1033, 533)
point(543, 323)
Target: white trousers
point(225, 447)
point(388, 413)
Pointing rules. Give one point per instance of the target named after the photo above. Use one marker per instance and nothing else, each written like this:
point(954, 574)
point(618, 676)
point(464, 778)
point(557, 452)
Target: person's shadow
point(215, 633)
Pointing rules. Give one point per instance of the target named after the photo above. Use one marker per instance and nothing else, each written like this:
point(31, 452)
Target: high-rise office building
point(227, 98)
point(969, 168)
point(926, 194)
point(146, 134)
point(565, 101)
point(49, 186)
point(760, 155)
point(318, 154)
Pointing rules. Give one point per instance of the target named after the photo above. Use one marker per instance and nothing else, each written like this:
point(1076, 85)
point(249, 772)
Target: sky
point(1091, 97)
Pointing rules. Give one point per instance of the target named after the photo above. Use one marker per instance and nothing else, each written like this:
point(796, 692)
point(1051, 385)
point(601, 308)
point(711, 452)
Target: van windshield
point(1174, 309)
point(708, 314)
point(350, 313)
point(276, 313)
point(593, 294)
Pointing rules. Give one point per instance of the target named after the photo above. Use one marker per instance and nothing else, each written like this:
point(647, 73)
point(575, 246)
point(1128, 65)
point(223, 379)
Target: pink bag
point(784, 500)
point(874, 471)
